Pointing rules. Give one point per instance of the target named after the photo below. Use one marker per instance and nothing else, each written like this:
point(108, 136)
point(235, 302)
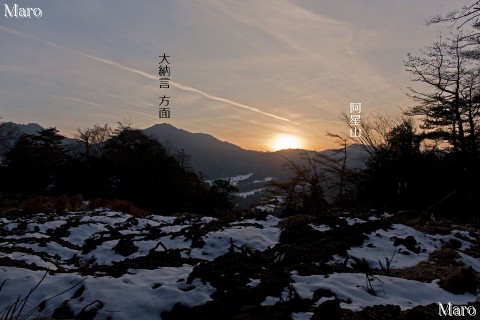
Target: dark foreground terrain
point(105, 264)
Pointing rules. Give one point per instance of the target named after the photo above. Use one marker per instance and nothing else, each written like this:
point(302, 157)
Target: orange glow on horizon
point(285, 141)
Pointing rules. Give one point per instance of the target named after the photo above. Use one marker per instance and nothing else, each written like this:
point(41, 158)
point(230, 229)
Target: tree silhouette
point(221, 194)
point(35, 162)
point(450, 109)
point(93, 140)
point(8, 134)
point(129, 165)
point(302, 191)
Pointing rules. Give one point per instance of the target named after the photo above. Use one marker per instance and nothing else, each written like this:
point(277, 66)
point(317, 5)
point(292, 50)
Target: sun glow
point(286, 142)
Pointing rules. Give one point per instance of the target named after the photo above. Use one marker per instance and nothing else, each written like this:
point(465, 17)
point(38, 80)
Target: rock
point(455, 244)
point(409, 242)
point(328, 310)
point(460, 281)
point(125, 247)
point(380, 312)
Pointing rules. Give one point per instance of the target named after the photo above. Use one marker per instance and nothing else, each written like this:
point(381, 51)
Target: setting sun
point(286, 142)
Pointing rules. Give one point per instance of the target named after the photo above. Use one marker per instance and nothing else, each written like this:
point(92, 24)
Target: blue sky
point(243, 71)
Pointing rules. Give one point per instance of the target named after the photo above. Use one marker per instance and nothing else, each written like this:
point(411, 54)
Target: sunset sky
point(242, 71)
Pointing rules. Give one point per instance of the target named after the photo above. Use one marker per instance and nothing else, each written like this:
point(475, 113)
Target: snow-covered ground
point(234, 180)
point(351, 290)
point(381, 244)
point(139, 294)
point(115, 266)
point(91, 239)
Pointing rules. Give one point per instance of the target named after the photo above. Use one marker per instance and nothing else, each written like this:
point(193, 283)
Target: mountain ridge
point(215, 159)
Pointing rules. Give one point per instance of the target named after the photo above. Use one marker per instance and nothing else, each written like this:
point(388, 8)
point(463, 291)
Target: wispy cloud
point(150, 76)
point(186, 88)
point(75, 100)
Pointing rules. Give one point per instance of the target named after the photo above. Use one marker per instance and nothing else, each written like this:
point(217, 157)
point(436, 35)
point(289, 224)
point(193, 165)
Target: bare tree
point(101, 134)
point(93, 139)
point(374, 130)
point(460, 17)
point(184, 159)
point(335, 167)
point(302, 191)
point(466, 19)
point(85, 137)
point(471, 109)
point(448, 107)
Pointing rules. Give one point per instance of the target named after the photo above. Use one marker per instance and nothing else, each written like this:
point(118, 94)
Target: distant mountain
point(212, 157)
point(10, 132)
point(31, 128)
point(220, 159)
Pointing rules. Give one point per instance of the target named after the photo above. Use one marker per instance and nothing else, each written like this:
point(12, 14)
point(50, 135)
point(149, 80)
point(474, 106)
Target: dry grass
point(118, 205)
point(59, 204)
point(72, 203)
point(127, 207)
point(440, 264)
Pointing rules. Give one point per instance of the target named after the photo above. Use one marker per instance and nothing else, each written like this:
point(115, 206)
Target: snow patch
point(140, 292)
point(351, 289)
point(248, 193)
point(260, 238)
point(469, 261)
point(79, 234)
point(321, 228)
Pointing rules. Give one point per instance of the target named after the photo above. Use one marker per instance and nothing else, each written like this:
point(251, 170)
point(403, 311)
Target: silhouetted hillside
point(214, 158)
point(217, 159)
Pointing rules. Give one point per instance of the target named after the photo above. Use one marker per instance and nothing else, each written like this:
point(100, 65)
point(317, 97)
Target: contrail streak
point(149, 76)
point(183, 87)
point(236, 104)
